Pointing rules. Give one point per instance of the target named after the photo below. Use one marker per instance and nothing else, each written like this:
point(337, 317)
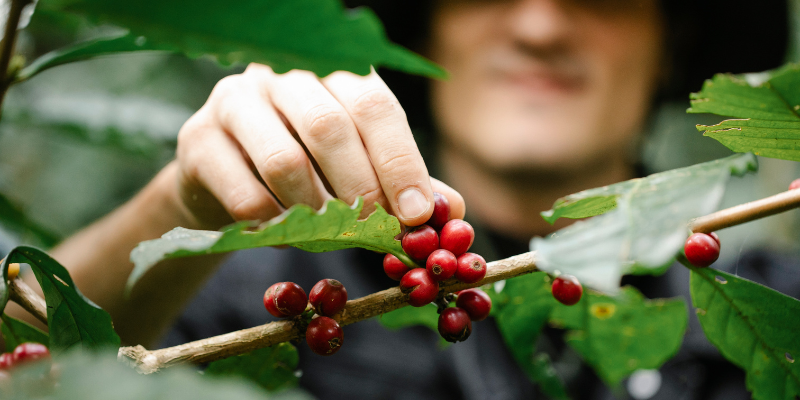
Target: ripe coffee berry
point(795, 184)
point(394, 268)
point(324, 336)
point(420, 242)
point(701, 249)
point(328, 297)
point(471, 268)
point(457, 236)
point(6, 361)
point(420, 287)
point(28, 352)
point(441, 265)
point(567, 290)
point(475, 302)
point(454, 324)
point(441, 211)
point(285, 299)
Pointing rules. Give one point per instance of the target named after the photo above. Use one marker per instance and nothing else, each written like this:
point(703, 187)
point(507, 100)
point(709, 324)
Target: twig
point(746, 212)
point(7, 45)
point(247, 340)
point(22, 294)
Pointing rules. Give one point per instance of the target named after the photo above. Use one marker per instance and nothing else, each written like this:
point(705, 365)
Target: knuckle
point(375, 103)
point(325, 123)
point(228, 85)
point(256, 67)
point(244, 205)
point(371, 194)
point(282, 165)
point(398, 164)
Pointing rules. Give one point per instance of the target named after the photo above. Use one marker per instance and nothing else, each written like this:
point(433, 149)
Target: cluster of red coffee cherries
point(323, 334)
point(702, 249)
point(442, 244)
point(22, 354)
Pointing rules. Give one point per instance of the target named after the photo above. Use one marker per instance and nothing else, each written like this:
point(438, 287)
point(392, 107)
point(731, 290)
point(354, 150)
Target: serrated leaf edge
point(750, 326)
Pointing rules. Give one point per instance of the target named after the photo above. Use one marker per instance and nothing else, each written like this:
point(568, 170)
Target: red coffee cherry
point(457, 236)
point(420, 242)
point(28, 352)
point(567, 290)
point(324, 336)
point(701, 249)
point(441, 212)
point(394, 268)
point(285, 299)
point(475, 302)
point(471, 268)
point(441, 265)
point(419, 285)
point(454, 324)
point(795, 184)
point(6, 361)
point(328, 297)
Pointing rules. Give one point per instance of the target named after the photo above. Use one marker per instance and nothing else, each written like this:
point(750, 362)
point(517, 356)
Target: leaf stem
point(7, 45)
point(22, 294)
point(746, 212)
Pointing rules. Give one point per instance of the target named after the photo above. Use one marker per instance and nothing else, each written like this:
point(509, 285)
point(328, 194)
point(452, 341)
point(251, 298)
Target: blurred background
point(82, 138)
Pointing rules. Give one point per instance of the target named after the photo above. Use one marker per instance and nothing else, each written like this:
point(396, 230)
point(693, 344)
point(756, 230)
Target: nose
point(539, 23)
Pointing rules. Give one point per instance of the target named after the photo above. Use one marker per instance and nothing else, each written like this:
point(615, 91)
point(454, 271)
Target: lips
point(541, 75)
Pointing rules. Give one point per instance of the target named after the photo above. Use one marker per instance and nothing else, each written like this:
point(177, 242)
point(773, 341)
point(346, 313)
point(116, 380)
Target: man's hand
point(263, 142)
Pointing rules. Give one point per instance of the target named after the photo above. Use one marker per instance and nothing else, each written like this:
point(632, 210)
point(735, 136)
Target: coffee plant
point(636, 227)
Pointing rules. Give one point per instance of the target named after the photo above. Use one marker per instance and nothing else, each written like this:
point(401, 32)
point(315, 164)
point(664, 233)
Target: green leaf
point(542, 372)
point(13, 218)
point(16, 332)
point(272, 368)
point(411, 316)
point(597, 201)
point(72, 319)
point(334, 227)
point(315, 35)
point(83, 51)
point(774, 139)
point(646, 229)
point(619, 335)
point(754, 327)
point(521, 311)
point(584, 205)
point(767, 105)
point(89, 376)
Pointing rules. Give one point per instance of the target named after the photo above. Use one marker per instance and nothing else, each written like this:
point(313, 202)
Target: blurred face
point(545, 84)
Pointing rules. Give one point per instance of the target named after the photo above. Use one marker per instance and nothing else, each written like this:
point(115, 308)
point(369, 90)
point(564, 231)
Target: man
point(546, 98)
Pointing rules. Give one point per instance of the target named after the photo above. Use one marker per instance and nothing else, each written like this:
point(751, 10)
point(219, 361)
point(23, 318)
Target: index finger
point(384, 129)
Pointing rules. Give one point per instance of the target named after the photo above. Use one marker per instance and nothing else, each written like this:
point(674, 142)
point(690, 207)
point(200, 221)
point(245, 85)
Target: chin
point(552, 150)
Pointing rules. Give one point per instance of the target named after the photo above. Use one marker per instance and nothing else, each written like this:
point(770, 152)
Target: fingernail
point(412, 203)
